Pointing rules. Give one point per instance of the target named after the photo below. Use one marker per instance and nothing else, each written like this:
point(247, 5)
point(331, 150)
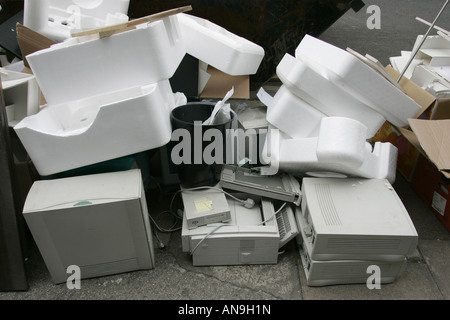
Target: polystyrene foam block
point(431, 42)
point(218, 47)
point(291, 114)
point(73, 71)
point(80, 133)
point(357, 78)
point(341, 140)
point(325, 95)
point(57, 19)
point(21, 94)
point(317, 156)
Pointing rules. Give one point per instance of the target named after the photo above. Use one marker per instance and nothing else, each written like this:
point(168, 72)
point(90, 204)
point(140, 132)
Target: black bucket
point(196, 172)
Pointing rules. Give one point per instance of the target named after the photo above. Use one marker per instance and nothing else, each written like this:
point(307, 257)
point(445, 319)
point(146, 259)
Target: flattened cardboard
point(220, 83)
point(442, 110)
point(434, 138)
point(432, 109)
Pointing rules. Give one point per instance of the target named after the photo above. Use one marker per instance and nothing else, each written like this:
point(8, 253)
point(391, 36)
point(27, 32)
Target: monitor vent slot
point(103, 269)
point(363, 244)
point(326, 204)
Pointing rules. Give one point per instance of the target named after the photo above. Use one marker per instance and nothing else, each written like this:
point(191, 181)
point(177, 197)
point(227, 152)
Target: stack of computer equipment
point(353, 231)
point(245, 219)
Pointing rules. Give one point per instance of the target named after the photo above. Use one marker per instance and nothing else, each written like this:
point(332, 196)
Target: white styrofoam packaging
point(219, 47)
point(339, 150)
point(431, 81)
point(359, 79)
point(21, 93)
point(325, 95)
point(435, 50)
point(58, 19)
point(75, 70)
point(291, 114)
point(104, 127)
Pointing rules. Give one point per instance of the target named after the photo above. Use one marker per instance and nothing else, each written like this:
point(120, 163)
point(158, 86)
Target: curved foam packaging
point(341, 140)
point(339, 150)
point(218, 47)
point(57, 19)
point(358, 79)
point(303, 119)
point(73, 71)
point(104, 127)
point(325, 95)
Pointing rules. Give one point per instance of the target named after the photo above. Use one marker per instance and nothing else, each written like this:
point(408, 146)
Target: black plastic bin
point(195, 173)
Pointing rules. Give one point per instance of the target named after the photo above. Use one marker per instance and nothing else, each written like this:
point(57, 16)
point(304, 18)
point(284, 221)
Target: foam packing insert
point(339, 150)
point(303, 120)
point(76, 69)
point(58, 19)
point(358, 79)
point(80, 133)
point(326, 96)
point(218, 47)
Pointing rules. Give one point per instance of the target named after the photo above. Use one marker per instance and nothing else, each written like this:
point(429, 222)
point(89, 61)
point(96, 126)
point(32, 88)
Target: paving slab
point(437, 256)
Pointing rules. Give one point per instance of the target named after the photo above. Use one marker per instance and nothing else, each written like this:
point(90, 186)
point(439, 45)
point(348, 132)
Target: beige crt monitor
point(97, 222)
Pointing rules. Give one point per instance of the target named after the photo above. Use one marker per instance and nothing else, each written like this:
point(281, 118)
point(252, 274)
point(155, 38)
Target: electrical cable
point(248, 203)
point(221, 225)
point(160, 229)
point(206, 236)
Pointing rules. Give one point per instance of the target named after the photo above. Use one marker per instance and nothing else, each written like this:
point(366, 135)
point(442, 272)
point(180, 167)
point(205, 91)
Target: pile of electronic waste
point(325, 184)
point(342, 226)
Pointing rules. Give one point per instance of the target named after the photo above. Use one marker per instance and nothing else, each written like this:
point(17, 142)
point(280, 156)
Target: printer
point(252, 235)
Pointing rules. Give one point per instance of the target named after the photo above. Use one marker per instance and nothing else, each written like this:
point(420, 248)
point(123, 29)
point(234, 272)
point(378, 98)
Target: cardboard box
point(433, 188)
point(403, 137)
point(219, 83)
point(424, 149)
